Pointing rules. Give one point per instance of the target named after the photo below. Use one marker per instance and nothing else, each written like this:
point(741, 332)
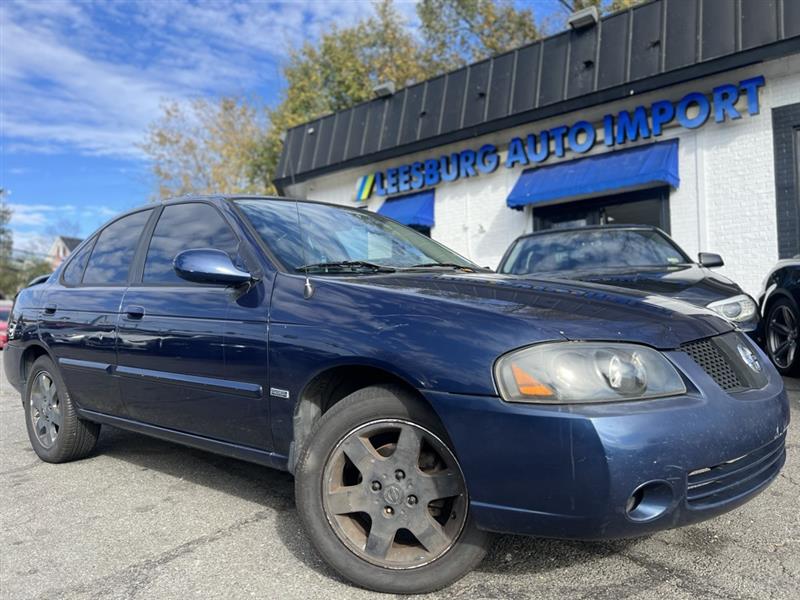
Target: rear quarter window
point(73, 273)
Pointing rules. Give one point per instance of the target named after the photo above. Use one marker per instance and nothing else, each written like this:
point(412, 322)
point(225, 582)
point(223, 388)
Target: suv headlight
point(585, 372)
point(736, 308)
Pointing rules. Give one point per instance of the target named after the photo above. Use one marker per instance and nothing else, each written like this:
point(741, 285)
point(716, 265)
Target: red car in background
point(5, 309)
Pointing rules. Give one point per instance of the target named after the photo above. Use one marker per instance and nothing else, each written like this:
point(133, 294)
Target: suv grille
point(716, 365)
point(735, 478)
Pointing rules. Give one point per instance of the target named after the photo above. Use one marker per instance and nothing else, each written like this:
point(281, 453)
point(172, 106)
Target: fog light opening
point(649, 501)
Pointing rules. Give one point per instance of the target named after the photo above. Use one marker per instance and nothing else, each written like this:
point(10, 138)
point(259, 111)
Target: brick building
point(682, 114)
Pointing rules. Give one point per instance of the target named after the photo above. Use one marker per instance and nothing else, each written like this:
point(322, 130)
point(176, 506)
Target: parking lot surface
point(143, 518)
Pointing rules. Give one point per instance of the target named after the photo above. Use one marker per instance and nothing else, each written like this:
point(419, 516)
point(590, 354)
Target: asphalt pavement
point(143, 518)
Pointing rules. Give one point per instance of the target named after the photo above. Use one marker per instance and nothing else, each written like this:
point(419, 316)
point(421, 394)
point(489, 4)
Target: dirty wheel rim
point(46, 417)
point(782, 336)
point(394, 494)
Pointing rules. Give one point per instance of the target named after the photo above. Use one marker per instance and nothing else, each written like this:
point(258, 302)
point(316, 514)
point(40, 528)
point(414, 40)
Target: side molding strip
point(85, 364)
point(252, 390)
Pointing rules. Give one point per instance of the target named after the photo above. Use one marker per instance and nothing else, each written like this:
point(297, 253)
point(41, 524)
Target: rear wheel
point(55, 431)
point(382, 495)
point(783, 336)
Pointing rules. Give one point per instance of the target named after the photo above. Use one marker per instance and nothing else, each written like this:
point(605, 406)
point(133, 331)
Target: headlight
point(736, 308)
point(585, 372)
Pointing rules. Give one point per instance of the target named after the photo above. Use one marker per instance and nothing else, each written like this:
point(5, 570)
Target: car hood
point(690, 283)
point(566, 309)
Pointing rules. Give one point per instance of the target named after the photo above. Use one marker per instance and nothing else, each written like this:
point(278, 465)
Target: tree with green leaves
point(7, 275)
point(14, 273)
point(457, 32)
point(206, 147)
point(604, 6)
point(339, 71)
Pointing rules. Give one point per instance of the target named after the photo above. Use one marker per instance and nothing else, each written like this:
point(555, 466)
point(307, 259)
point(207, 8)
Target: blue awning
point(413, 209)
point(622, 170)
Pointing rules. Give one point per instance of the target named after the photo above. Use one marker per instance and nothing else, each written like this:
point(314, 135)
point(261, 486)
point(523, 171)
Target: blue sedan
point(420, 401)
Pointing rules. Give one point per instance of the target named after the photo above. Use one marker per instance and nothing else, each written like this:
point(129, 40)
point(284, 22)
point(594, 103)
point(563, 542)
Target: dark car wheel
point(56, 433)
point(382, 496)
point(783, 336)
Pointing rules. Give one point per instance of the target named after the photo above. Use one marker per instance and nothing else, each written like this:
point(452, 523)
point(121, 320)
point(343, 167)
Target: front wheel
point(382, 496)
point(783, 336)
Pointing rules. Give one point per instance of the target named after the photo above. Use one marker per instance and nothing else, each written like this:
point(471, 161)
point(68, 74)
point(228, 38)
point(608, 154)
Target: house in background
point(61, 248)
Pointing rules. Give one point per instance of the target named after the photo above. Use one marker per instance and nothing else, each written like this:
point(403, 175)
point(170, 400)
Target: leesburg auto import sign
point(643, 122)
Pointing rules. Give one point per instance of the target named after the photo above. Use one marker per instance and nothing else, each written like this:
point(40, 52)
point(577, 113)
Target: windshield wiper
point(444, 264)
point(345, 266)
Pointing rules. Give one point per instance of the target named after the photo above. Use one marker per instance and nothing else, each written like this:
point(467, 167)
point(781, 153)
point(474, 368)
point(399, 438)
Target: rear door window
point(185, 227)
point(114, 251)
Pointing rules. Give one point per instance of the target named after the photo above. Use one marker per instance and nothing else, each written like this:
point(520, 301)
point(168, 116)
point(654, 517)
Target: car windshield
point(4, 312)
point(304, 234)
point(593, 249)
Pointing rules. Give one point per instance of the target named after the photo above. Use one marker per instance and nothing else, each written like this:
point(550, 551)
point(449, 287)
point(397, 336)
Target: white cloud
point(28, 219)
point(56, 219)
point(90, 77)
point(34, 215)
point(32, 243)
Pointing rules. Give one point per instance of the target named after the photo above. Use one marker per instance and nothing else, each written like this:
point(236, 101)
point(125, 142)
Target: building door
point(645, 207)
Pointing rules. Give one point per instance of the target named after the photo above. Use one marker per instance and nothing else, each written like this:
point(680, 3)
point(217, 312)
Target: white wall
point(725, 202)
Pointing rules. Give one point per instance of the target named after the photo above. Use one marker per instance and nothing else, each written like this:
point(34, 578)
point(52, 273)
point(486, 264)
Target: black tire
point(370, 407)
point(74, 438)
point(782, 339)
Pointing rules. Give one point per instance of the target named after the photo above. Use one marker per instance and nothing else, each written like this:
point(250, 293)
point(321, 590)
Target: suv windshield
point(592, 250)
point(340, 239)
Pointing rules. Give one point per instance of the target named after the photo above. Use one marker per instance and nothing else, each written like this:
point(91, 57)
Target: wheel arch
point(774, 296)
point(31, 353)
point(331, 385)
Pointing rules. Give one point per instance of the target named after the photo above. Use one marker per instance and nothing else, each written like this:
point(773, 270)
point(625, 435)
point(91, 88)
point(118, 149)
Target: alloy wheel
point(782, 336)
point(394, 494)
point(45, 408)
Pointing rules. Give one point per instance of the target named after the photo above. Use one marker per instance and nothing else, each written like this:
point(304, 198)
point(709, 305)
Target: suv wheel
point(783, 336)
point(382, 496)
point(56, 433)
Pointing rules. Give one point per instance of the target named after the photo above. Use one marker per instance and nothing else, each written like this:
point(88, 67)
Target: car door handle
point(134, 312)
point(50, 309)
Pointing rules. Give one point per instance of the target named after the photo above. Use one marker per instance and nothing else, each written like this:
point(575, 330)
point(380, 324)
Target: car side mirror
point(709, 259)
point(207, 265)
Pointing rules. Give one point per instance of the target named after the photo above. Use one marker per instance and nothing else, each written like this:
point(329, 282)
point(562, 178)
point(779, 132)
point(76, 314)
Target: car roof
point(220, 198)
point(214, 198)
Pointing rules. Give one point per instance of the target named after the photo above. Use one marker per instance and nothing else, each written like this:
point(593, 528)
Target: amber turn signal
point(527, 384)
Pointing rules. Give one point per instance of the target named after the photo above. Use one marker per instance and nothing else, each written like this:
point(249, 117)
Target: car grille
point(706, 354)
point(722, 483)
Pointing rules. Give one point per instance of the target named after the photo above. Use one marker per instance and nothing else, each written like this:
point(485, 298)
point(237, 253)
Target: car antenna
point(308, 289)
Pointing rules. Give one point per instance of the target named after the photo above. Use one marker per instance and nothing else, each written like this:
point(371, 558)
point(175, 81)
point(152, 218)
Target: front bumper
point(572, 471)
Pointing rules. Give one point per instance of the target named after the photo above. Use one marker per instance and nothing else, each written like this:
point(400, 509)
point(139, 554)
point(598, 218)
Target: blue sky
point(81, 80)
